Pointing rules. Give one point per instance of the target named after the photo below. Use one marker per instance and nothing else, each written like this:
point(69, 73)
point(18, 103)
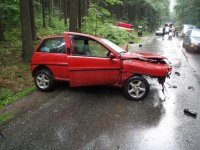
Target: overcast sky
point(172, 3)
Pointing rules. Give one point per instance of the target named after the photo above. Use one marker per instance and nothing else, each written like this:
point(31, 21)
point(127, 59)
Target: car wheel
point(44, 80)
point(187, 48)
point(183, 45)
point(136, 88)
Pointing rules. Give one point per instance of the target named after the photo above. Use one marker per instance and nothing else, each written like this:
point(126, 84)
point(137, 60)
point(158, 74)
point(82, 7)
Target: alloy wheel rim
point(42, 81)
point(136, 89)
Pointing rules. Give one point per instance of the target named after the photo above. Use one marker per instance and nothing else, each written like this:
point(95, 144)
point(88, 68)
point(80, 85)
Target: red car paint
point(125, 25)
point(86, 70)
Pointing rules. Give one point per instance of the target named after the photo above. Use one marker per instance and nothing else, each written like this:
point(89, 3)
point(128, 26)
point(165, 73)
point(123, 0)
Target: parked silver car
point(191, 41)
point(186, 28)
point(159, 32)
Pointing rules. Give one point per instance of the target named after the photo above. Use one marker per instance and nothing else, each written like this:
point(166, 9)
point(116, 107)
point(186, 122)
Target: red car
point(85, 60)
point(124, 26)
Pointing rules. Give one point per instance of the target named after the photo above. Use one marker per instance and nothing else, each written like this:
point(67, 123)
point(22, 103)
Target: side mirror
point(111, 56)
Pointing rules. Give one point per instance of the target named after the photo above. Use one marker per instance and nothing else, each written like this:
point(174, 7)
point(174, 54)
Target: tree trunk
point(43, 12)
point(27, 43)
point(84, 7)
point(60, 9)
point(2, 36)
point(65, 11)
point(52, 6)
point(88, 4)
point(49, 11)
point(32, 17)
point(79, 15)
point(73, 15)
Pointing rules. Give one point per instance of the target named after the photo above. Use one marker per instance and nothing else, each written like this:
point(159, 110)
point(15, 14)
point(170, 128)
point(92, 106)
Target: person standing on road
point(166, 29)
point(139, 31)
point(163, 34)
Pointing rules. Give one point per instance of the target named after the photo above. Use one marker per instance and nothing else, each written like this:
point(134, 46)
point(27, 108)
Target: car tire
point(44, 80)
point(187, 48)
point(136, 88)
point(183, 45)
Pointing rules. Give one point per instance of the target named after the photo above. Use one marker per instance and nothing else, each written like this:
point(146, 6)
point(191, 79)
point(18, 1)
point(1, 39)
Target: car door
point(52, 53)
point(89, 63)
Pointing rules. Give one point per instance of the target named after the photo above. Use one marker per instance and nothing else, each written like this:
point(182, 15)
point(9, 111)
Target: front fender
point(153, 69)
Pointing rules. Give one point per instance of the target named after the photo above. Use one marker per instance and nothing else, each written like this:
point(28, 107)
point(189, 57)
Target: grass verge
point(8, 96)
point(5, 116)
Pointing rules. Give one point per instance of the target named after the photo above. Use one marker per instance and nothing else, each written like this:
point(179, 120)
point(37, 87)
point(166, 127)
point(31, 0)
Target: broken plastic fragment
point(177, 73)
point(190, 113)
point(174, 86)
point(190, 87)
point(2, 135)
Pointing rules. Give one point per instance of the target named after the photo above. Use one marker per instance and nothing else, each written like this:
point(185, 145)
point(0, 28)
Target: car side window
point(55, 45)
point(83, 46)
point(97, 50)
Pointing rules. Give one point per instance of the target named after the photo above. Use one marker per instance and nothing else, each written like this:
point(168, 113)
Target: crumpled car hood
point(140, 55)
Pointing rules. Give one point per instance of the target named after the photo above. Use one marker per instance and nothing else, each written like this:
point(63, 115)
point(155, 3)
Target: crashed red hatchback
point(85, 60)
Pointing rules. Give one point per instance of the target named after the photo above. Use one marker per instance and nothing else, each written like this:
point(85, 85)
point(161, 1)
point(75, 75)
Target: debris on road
point(177, 73)
point(2, 135)
point(190, 113)
point(191, 87)
point(140, 45)
point(162, 100)
point(172, 86)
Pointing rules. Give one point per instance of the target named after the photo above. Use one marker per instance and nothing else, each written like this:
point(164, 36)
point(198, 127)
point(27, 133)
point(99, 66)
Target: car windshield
point(113, 46)
point(195, 33)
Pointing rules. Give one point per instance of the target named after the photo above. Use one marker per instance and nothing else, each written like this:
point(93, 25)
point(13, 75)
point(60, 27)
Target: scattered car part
point(177, 73)
point(191, 87)
point(190, 113)
point(2, 135)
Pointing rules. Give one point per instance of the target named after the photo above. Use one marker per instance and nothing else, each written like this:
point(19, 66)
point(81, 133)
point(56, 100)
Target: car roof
point(80, 34)
point(196, 29)
point(188, 26)
point(70, 33)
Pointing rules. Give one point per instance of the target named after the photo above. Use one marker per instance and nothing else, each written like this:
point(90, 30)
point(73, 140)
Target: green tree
point(188, 12)
point(9, 16)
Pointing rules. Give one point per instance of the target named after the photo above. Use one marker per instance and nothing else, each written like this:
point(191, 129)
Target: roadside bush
point(100, 23)
point(57, 27)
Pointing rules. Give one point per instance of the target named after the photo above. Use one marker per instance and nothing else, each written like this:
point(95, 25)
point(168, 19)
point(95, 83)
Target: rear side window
point(55, 45)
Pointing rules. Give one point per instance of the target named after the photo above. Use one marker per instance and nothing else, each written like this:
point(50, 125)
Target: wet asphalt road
point(100, 118)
